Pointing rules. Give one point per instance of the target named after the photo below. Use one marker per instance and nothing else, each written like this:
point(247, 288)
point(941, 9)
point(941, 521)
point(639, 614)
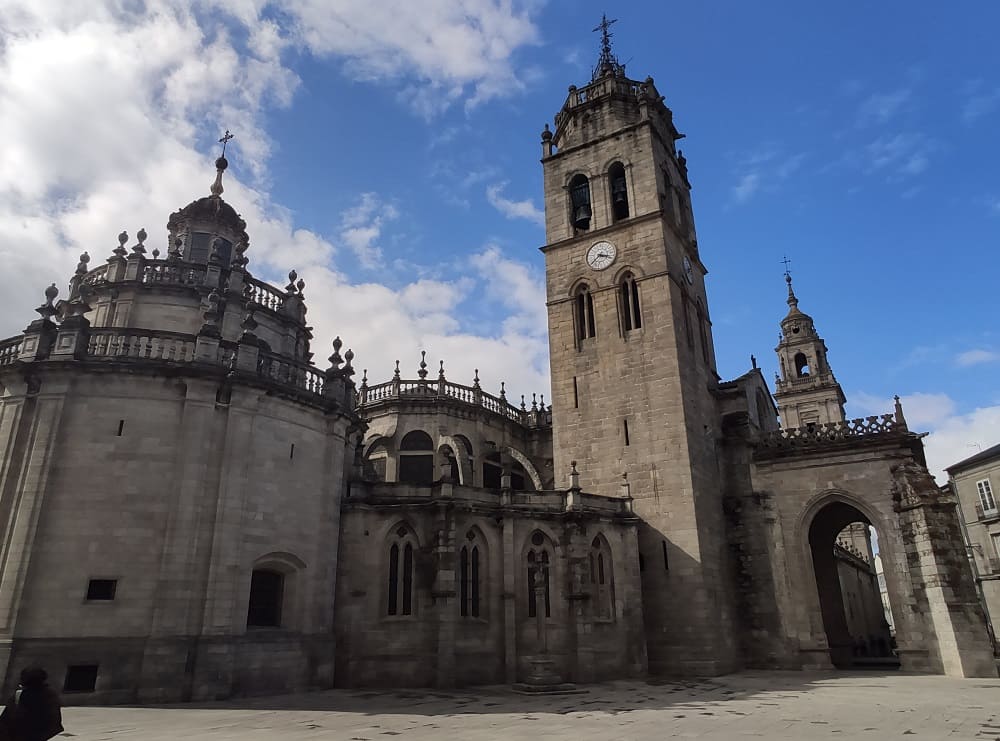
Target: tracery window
point(628, 296)
point(583, 305)
point(470, 568)
point(538, 569)
point(400, 581)
point(602, 579)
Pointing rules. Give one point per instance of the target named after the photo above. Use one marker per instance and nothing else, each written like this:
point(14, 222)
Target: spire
point(793, 302)
point(607, 63)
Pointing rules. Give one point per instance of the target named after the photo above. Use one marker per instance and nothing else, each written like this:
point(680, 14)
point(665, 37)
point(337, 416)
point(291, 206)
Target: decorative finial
point(139, 248)
point(546, 134)
point(292, 275)
point(176, 251)
point(335, 359)
point(503, 391)
point(475, 379)
point(395, 373)
point(423, 365)
point(300, 284)
point(900, 419)
point(348, 368)
point(212, 313)
point(607, 63)
point(534, 402)
point(239, 260)
point(120, 250)
point(220, 165)
point(47, 310)
point(753, 361)
point(524, 407)
point(541, 401)
point(81, 267)
point(364, 378)
point(441, 371)
point(156, 253)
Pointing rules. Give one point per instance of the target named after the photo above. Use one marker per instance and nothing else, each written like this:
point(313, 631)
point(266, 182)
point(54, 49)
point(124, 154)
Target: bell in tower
point(579, 192)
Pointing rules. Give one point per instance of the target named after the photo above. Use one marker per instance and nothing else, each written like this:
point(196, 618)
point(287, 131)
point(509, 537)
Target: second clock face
point(601, 255)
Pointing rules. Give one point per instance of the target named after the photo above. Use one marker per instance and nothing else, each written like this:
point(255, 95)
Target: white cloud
point(514, 209)
point(106, 105)
point(977, 357)
point(952, 437)
point(879, 108)
point(746, 187)
point(900, 155)
point(361, 227)
point(978, 102)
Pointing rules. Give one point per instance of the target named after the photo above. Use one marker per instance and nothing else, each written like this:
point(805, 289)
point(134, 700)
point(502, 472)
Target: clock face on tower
point(601, 255)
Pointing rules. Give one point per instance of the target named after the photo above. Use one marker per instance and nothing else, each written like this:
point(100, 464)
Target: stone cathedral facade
point(193, 508)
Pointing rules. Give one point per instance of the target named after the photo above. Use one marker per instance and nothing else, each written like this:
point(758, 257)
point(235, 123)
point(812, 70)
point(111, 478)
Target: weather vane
point(225, 140)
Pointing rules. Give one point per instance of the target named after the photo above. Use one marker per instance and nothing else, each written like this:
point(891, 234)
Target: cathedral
point(194, 509)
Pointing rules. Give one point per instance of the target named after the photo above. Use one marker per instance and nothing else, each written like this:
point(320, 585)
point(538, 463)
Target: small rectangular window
point(80, 678)
point(666, 562)
point(576, 394)
point(102, 589)
point(121, 426)
point(986, 495)
point(625, 423)
point(291, 452)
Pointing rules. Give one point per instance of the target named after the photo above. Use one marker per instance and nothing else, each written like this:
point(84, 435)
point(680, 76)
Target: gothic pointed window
point(470, 567)
point(619, 191)
point(538, 572)
point(583, 305)
point(602, 579)
point(579, 196)
point(628, 297)
point(399, 600)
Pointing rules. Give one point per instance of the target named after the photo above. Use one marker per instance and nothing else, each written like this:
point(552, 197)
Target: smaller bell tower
point(806, 390)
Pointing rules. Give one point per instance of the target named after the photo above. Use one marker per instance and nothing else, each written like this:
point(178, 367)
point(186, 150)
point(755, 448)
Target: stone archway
point(857, 629)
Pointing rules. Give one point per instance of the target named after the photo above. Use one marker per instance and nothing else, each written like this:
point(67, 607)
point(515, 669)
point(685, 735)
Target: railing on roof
point(833, 432)
point(10, 349)
point(115, 342)
point(96, 275)
point(286, 371)
point(266, 295)
point(399, 389)
point(172, 272)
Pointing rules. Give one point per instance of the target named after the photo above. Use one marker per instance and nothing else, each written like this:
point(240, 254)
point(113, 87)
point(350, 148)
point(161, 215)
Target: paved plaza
point(772, 705)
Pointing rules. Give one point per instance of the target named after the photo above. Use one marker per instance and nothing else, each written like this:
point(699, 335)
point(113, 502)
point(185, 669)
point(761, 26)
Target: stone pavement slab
point(778, 706)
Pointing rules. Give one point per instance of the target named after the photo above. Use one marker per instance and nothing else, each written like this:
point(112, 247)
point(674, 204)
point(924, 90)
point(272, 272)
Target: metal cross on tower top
point(225, 140)
point(608, 62)
point(787, 263)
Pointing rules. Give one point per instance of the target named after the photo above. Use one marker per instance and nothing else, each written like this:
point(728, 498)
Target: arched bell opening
point(580, 208)
point(853, 600)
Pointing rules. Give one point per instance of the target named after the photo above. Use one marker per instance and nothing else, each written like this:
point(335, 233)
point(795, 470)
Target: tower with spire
point(806, 390)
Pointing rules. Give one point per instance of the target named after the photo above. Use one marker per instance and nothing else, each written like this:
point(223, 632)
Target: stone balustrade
point(399, 390)
point(834, 432)
point(9, 350)
point(265, 295)
point(115, 343)
point(167, 272)
point(124, 345)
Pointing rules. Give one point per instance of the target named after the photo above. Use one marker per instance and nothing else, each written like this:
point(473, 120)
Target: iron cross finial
point(603, 27)
point(225, 140)
point(787, 263)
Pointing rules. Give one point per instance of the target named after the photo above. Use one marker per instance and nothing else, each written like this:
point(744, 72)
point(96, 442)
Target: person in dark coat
point(32, 712)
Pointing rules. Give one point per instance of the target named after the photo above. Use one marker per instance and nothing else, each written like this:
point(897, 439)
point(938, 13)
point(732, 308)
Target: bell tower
point(633, 365)
point(806, 390)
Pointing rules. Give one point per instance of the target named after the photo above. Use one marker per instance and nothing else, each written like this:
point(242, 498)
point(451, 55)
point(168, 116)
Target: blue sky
point(391, 155)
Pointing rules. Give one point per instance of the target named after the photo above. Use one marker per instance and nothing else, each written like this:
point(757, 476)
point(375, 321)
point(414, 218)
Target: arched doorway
point(843, 544)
